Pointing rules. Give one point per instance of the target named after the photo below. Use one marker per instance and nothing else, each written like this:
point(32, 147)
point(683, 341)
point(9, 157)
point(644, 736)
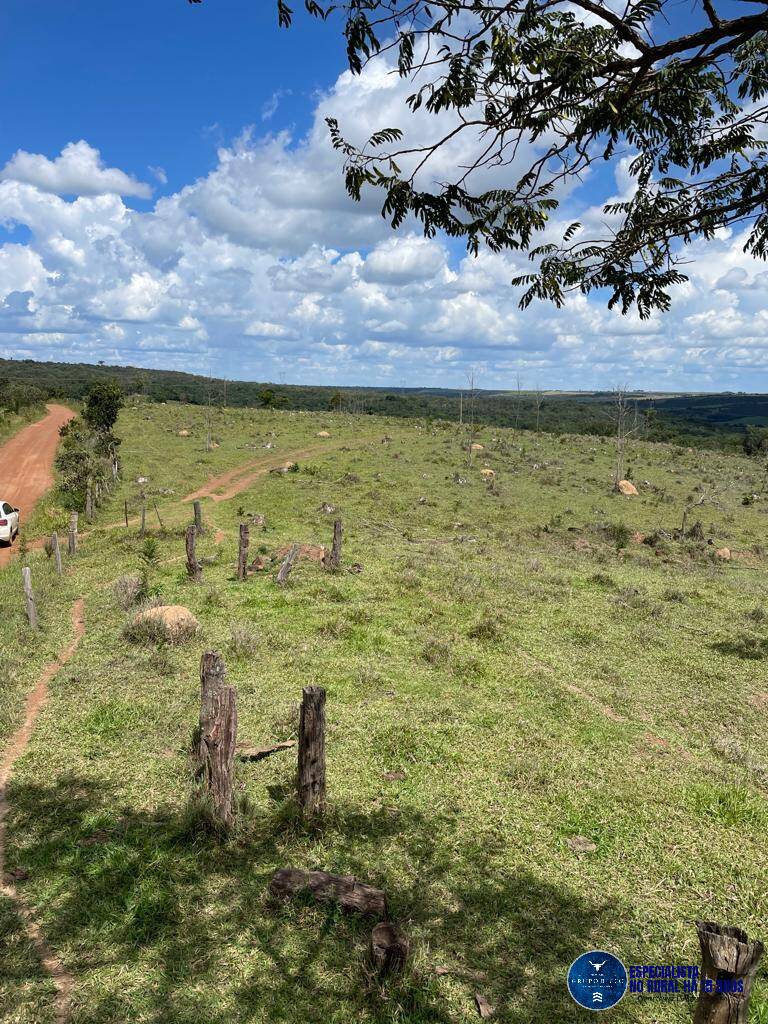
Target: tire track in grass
point(17, 746)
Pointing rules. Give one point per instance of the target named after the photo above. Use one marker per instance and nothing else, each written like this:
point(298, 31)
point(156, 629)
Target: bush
point(619, 533)
point(243, 640)
point(127, 591)
point(147, 632)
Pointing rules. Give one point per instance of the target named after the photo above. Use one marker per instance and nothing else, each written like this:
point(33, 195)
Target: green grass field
point(502, 677)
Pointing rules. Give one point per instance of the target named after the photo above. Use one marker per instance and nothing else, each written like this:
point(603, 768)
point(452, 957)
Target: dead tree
point(218, 742)
point(332, 558)
point(285, 568)
point(242, 552)
point(56, 551)
point(625, 421)
point(72, 541)
point(29, 597)
point(194, 568)
point(198, 516)
point(311, 773)
point(728, 960)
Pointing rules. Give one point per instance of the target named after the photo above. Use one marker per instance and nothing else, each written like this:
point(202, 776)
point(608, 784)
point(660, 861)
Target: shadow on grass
point(161, 924)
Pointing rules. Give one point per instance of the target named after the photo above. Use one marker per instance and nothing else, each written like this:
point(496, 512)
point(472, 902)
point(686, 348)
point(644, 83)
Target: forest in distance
point(726, 420)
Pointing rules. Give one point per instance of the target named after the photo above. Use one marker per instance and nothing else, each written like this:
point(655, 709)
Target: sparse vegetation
point(494, 689)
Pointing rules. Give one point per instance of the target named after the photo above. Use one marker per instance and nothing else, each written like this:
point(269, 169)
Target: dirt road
point(26, 465)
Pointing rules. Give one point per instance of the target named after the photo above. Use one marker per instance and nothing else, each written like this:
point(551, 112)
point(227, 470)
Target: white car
point(9, 522)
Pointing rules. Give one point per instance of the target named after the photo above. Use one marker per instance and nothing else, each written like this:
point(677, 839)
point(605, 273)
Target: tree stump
point(389, 949)
point(351, 895)
point(72, 541)
point(213, 675)
point(194, 569)
point(332, 559)
point(242, 554)
point(728, 957)
point(198, 516)
point(311, 773)
point(56, 550)
point(29, 597)
point(218, 742)
point(285, 568)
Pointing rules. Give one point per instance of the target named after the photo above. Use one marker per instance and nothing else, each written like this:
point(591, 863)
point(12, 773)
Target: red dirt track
point(26, 465)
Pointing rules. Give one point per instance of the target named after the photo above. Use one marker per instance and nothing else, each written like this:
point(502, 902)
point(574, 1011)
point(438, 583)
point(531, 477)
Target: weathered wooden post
point(143, 527)
point(285, 568)
point(242, 554)
point(157, 513)
point(311, 774)
point(332, 558)
point(72, 541)
point(29, 597)
point(56, 551)
point(213, 675)
point(198, 516)
point(89, 501)
point(389, 949)
point(730, 959)
point(194, 569)
point(126, 513)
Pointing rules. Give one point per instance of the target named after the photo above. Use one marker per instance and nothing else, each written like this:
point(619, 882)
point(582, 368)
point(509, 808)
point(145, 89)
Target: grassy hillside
point(511, 670)
point(716, 421)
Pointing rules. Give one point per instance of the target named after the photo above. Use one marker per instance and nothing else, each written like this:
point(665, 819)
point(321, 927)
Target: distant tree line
point(730, 421)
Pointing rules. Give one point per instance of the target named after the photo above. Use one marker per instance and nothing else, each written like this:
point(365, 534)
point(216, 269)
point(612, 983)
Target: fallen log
point(258, 753)
point(351, 895)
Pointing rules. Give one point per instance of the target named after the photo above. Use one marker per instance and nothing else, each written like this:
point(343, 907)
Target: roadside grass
point(502, 677)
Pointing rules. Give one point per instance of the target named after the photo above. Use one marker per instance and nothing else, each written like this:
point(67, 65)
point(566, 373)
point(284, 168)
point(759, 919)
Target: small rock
point(179, 622)
point(488, 474)
point(580, 844)
point(327, 508)
point(724, 553)
point(627, 488)
point(477, 447)
point(142, 479)
point(322, 433)
point(183, 433)
point(311, 552)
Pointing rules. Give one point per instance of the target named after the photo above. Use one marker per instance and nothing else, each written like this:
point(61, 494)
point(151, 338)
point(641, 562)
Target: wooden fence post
point(242, 554)
point(29, 597)
point(126, 513)
point(332, 559)
point(72, 541)
point(311, 774)
point(194, 569)
point(285, 568)
point(198, 516)
point(219, 742)
point(89, 501)
point(729, 957)
point(157, 513)
point(56, 551)
point(213, 674)
point(143, 527)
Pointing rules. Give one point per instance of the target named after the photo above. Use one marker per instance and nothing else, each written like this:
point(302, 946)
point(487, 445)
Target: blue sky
point(169, 198)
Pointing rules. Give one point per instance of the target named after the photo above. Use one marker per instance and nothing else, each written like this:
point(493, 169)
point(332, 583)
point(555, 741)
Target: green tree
point(532, 93)
point(267, 398)
point(334, 402)
point(755, 440)
point(102, 405)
